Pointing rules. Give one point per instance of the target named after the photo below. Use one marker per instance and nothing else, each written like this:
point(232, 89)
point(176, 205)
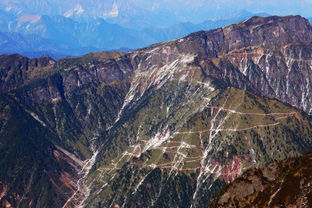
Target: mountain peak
point(280, 19)
point(76, 11)
point(29, 18)
point(45, 61)
point(265, 32)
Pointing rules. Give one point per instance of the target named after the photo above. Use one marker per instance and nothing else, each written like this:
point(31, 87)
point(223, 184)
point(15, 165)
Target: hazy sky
point(224, 7)
point(186, 10)
point(281, 7)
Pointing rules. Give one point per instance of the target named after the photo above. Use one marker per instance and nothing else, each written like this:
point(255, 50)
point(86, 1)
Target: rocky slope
point(54, 123)
point(33, 171)
point(177, 120)
point(284, 184)
point(197, 147)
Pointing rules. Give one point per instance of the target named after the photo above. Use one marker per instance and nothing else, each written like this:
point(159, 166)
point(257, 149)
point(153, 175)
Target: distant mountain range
point(128, 13)
point(60, 36)
point(35, 46)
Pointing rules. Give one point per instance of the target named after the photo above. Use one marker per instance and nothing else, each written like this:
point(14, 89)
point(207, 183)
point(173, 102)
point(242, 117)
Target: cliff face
point(166, 125)
point(284, 184)
point(270, 56)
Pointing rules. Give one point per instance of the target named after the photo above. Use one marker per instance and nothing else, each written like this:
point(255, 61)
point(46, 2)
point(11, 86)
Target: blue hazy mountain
point(127, 13)
point(97, 34)
point(36, 46)
point(142, 13)
point(96, 26)
point(17, 43)
point(240, 16)
point(182, 29)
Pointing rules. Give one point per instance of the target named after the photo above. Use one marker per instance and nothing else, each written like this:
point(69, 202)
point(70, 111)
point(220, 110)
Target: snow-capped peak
point(76, 11)
point(114, 12)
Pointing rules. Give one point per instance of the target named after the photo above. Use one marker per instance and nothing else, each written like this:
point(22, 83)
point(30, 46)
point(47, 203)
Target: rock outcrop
point(284, 184)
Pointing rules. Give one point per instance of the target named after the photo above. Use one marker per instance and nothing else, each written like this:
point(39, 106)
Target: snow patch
point(207, 85)
point(157, 140)
point(89, 110)
point(114, 12)
point(153, 77)
point(140, 183)
point(78, 10)
point(29, 18)
point(36, 117)
point(82, 189)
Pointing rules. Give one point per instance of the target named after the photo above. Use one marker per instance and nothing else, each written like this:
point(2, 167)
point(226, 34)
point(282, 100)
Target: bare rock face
point(16, 70)
point(284, 184)
point(270, 55)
